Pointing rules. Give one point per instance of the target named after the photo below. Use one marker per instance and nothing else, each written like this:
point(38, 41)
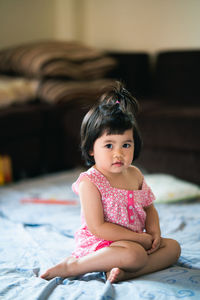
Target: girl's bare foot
point(115, 275)
point(60, 270)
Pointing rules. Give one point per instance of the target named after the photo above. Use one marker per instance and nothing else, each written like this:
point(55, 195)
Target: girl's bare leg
point(59, 270)
point(164, 257)
point(126, 255)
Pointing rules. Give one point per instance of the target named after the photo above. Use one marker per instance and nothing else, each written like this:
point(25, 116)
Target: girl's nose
point(118, 153)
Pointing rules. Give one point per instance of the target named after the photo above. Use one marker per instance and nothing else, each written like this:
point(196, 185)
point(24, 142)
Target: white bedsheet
point(34, 237)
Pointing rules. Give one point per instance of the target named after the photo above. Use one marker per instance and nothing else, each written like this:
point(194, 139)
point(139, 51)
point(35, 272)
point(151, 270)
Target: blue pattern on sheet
point(35, 237)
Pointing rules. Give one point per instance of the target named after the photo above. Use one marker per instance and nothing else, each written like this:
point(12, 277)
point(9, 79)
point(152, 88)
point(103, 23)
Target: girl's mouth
point(118, 164)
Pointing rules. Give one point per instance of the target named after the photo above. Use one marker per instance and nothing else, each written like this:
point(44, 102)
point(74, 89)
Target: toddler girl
point(120, 232)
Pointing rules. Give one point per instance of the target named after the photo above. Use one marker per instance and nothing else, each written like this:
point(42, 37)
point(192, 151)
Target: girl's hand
point(156, 244)
point(146, 241)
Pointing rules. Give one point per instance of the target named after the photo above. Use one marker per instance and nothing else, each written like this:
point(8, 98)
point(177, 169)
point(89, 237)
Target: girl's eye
point(109, 146)
point(126, 146)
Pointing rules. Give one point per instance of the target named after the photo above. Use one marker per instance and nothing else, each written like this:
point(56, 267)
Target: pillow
point(168, 189)
point(55, 59)
point(56, 91)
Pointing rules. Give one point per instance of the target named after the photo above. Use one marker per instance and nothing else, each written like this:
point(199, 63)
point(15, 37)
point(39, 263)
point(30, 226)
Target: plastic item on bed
point(35, 200)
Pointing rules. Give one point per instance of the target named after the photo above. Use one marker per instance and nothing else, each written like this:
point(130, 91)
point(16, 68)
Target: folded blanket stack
point(52, 71)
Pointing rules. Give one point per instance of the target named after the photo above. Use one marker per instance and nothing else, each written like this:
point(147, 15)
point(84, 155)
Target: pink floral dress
point(123, 207)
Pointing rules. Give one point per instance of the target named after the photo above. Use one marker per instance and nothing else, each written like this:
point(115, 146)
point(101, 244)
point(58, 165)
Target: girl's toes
point(115, 275)
point(45, 275)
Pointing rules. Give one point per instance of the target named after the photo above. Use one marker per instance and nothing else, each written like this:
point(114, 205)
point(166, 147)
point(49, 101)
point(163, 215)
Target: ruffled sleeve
point(75, 185)
point(149, 196)
point(92, 175)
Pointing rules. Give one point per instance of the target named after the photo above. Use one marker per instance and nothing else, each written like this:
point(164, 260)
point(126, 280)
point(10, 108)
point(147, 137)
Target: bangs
point(117, 124)
point(116, 130)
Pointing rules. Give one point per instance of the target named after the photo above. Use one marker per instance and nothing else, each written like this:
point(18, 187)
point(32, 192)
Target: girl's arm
point(152, 227)
point(93, 213)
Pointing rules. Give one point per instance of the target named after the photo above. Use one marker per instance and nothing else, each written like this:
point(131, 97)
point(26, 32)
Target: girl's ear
point(91, 152)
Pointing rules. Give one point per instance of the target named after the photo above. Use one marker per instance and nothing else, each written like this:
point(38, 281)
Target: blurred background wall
point(141, 25)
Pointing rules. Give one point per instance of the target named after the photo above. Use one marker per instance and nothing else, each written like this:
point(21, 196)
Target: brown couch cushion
point(177, 76)
point(20, 121)
point(171, 127)
point(133, 68)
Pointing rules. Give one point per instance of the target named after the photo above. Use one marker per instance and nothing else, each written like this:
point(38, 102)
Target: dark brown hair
point(115, 112)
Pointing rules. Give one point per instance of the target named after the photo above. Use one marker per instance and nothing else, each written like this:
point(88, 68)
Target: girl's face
point(113, 153)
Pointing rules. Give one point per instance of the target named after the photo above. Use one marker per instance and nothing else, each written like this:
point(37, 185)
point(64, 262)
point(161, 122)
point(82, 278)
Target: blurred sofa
point(54, 83)
point(45, 89)
point(167, 88)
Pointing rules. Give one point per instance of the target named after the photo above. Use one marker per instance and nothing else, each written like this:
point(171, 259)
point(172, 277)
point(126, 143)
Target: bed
point(38, 219)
